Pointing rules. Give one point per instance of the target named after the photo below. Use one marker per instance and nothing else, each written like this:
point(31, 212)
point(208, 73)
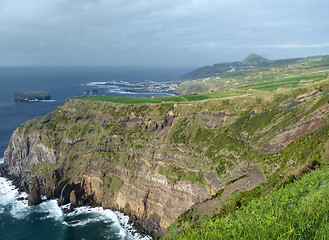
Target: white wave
point(129, 228)
point(2, 160)
point(96, 214)
point(44, 101)
point(8, 192)
point(48, 101)
point(19, 209)
point(9, 195)
point(127, 231)
point(96, 83)
point(83, 222)
point(51, 208)
point(122, 92)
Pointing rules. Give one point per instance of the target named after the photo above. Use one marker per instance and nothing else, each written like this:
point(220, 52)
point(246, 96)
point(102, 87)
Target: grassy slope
point(291, 75)
point(281, 167)
point(296, 211)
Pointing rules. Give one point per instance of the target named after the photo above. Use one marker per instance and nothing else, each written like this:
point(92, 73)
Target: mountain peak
point(255, 59)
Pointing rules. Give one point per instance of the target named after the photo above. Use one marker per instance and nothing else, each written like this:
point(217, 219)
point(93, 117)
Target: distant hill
point(253, 61)
point(257, 73)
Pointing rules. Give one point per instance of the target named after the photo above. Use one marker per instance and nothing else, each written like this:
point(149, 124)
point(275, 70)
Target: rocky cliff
point(117, 156)
point(156, 161)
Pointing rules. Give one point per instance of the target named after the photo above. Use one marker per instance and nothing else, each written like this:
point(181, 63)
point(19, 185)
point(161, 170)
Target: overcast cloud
point(159, 32)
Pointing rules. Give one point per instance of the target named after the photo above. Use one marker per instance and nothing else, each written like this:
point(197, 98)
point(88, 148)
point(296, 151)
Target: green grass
point(286, 82)
point(174, 173)
point(187, 98)
point(298, 211)
point(112, 182)
point(282, 74)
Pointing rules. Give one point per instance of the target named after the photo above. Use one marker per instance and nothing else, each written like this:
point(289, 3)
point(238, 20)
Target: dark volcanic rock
point(51, 188)
point(35, 194)
point(31, 96)
point(73, 199)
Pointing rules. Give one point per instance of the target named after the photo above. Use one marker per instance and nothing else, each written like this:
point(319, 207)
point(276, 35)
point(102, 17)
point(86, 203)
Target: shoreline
point(126, 228)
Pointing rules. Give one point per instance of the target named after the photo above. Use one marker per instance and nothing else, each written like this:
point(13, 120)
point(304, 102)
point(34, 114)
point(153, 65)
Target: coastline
point(11, 194)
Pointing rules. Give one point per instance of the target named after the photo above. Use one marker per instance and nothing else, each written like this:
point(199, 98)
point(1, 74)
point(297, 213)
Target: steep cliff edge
point(117, 156)
point(155, 161)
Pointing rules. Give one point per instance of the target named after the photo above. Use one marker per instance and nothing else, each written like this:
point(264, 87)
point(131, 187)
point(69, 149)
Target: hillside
point(256, 72)
point(172, 162)
point(297, 211)
point(256, 60)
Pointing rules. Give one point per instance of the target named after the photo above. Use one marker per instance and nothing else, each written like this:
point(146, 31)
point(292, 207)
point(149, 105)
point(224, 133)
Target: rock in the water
point(31, 96)
point(34, 195)
point(73, 200)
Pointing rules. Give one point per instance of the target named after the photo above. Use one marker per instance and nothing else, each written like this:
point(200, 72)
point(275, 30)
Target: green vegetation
point(42, 169)
point(112, 182)
point(175, 173)
point(298, 211)
point(286, 82)
point(187, 98)
point(256, 73)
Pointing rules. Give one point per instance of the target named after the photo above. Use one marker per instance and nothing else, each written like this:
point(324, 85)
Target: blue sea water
point(47, 221)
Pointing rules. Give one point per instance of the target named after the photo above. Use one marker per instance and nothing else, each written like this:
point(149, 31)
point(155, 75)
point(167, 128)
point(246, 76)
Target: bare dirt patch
point(254, 178)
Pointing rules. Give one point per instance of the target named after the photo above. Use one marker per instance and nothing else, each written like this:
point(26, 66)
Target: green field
point(297, 211)
point(290, 75)
point(286, 82)
point(187, 98)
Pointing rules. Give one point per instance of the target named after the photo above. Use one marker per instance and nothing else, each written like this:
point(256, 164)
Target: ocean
point(48, 221)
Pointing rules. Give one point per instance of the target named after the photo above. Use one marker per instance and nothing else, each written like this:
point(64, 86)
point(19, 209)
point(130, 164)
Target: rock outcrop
point(34, 197)
point(31, 96)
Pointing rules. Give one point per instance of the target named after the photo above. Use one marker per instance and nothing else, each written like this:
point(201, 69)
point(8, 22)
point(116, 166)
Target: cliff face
point(117, 156)
point(155, 161)
point(25, 151)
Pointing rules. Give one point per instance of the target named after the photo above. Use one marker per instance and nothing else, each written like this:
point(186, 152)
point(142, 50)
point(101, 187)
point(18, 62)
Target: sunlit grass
point(187, 98)
point(297, 211)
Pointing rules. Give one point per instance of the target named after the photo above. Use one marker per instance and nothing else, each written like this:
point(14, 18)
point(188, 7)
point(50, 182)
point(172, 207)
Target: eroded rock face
point(149, 199)
point(34, 197)
point(286, 136)
point(23, 151)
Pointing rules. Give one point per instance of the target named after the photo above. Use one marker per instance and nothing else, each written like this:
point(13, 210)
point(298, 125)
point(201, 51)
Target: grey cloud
point(171, 32)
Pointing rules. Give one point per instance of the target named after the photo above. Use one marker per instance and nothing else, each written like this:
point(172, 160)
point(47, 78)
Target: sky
point(159, 32)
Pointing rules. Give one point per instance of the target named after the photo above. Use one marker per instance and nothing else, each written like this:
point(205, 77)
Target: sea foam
point(96, 214)
point(8, 197)
point(8, 192)
point(2, 160)
point(49, 209)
